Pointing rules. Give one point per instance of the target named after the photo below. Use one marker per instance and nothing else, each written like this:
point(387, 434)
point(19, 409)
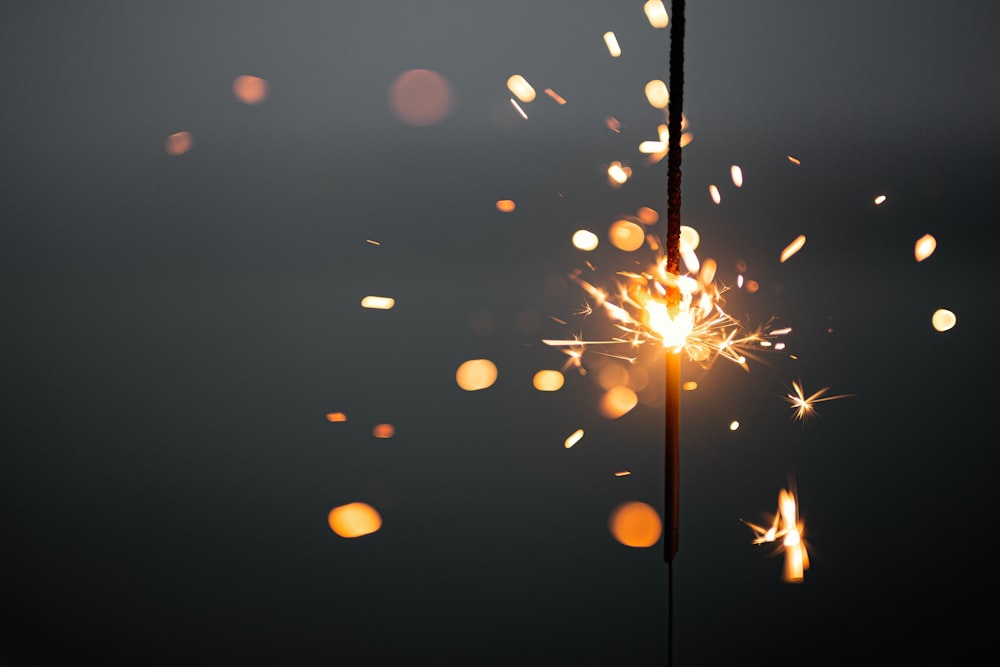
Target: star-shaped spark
point(804, 406)
point(787, 527)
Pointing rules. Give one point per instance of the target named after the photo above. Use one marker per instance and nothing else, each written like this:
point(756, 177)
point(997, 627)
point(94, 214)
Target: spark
point(787, 527)
point(554, 95)
point(793, 247)
point(519, 109)
point(804, 406)
point(612, 42)
point(794, 160)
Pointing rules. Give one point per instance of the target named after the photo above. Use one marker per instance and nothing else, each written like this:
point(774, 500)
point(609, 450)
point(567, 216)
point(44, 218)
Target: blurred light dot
point(383, 431)
point(924, 247)
point(690, 385)
point(585, 240)
point(476, 374)
point(623, 473)
point(618, 173)
point(548, 380)
point(178, 143)
point(420, 97)
point(635, 524)
point(336, 417)
point(690, 237)
point(656, 94)
point(613, 124)
point(794, 160)
point(714, 192)
point(617, 401)
point(378, 302)
point(793, 247)
point(354, 520)
point(734, 425)
point(522, 90)
point(612, 42)
point(751, 286)
point(647, 215)
point(686, 139)
point(574, 438)
point(879, 200)
point(656, 13)
point(626, 235)
point(506, 205)
point(556, 96)
point(943, 319)
point(250, 89)
point(737, 173)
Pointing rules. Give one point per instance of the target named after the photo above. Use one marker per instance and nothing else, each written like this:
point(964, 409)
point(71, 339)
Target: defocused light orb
point(178, 143)
point(573, 439)
point(354, 520)
point(420, 97)
point(734, 425)
point(626, 235)
point(548, 380)
point(635, 524)
point(585, 240)
point(476, 374)
point(506, 205)
point(617, 401)
point(647, 215)
point(690, 237)
point(383, 431)
point(924, 247)
point(656, 13)
point(612, 375)
point(943, 319)
point(656, 94)
point(522, 90)
point(250, 89)
point(336, 417)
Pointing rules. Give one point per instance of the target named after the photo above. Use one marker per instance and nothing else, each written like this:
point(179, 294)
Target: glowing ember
point(794, 160)
point(804, 406)
point(354, 520)
point(612, 42)
point(476, 374)
point(657, 94)
point(554, 95)
point(378, 302)
point(787, 527)
point(656, 13)
point(737, 174)
point(943, 319)
point(924, 247)
point(178, 143)
point(335, 417)
point(880, 200)
point(506, 205)
point(635, 524)
point(250, 89)
point(793, 247)
point(522, 90)
point(714, 192)
point(383, 431)
point(690, 385)
point(548, 380)
point(585, 240)
point(573, 439)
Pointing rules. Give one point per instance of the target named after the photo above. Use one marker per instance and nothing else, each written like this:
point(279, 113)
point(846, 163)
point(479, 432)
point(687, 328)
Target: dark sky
point(176, 328)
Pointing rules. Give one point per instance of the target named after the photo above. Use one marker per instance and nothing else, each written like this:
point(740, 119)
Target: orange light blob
point(178, 143)
point(626, 235)
point(713, 190)
point(506, 205)
point(647, 215)
point(522, 90)
point(383, 431)
point(656, 13)
point(334, 417)
point(476, 374)
point(574, 438)
point(690, 385)
point(794, 160)
point(635, 524)
point(612, 43)
point(554, 95)
point(378, 302)
point(585, 240)
point(737, 174)
point(793, 247)
point(617, 402)
point(943, 319)
point(548, 380)
point(354, 520)
point(420, 97)
point(250, 89)
point(924, 247)
point(657, 94)
point(880, 200)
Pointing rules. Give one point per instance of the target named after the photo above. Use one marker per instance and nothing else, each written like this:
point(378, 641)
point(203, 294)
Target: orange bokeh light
point(635, 524)
point(250, 89)
point(178, 143)
point(506, 205)
point(336, 417)
point(354, 520)
point(383, 431)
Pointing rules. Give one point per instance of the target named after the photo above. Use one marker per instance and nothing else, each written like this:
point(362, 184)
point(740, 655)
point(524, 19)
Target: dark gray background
point(176, 328)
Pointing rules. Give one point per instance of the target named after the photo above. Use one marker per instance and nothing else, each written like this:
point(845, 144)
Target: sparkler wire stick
point(672, 379)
